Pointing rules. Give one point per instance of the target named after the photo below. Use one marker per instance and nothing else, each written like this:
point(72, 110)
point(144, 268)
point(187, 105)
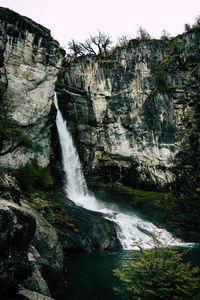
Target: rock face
point(17, 230)
point(9, 188)
point(31, 254)
point(29, 63)
point(46, 257)
point(129, 113)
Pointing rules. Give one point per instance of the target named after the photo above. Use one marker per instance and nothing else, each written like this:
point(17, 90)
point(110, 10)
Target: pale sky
point(78, 19)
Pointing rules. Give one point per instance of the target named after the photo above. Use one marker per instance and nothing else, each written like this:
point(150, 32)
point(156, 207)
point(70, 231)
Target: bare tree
point(101, 41)
point(88, 47)
point(123, 40)
point(197, 21)
point(196, 25)
point(96, 45)
point(143, 34)
point(165, 35)
point(76, 48)
point(187, 27)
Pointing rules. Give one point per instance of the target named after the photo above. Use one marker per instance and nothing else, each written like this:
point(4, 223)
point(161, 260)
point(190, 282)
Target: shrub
point(54, 212)
point(123, 41)
point(159, 74)
point(143, 34)
point(158, 273)
point(31, 176)
point(59, 220)
point(12, 135)
point(165, 35)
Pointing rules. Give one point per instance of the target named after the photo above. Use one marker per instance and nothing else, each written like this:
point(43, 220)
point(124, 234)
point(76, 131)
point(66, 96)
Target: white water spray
point(129, 224)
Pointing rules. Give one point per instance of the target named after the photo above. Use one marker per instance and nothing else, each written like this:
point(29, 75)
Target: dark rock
point(30, 253)
point(17, 228)
point(93, 231)
point(36, 282)
point(46, 257)
point(9, 188)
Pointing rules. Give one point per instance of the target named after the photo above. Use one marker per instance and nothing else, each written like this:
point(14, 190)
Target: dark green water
point(90, 276)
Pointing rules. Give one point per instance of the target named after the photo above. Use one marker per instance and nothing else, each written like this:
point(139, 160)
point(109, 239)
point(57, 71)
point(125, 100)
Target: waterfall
point(129, 224)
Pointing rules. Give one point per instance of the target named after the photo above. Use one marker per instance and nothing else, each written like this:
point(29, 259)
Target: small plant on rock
point(159, 75)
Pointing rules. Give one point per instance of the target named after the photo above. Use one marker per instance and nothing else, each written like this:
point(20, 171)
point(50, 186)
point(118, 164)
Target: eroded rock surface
point(129, 113)
point(29, 63)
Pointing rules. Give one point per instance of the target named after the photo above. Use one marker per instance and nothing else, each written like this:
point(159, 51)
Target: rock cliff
point(31, 254)
point(30, 60)
point(130, 113)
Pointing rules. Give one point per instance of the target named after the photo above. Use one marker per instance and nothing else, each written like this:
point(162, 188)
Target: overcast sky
point(79, 18)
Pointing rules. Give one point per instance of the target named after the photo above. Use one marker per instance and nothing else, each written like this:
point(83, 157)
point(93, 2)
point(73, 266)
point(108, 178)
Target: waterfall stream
point(129, 224)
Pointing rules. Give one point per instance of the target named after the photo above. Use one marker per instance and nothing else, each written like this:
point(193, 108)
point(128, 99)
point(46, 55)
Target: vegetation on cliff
point(12, 135)
point(46, 203)
point(33, 177)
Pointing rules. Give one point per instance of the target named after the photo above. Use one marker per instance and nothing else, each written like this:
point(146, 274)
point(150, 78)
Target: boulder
point(92, 233)
point(30, 253)
point(17, 228)
point(9, 188)
point(46, 257)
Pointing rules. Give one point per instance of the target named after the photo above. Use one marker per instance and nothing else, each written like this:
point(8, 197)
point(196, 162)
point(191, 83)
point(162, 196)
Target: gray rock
point(31, 295)
point(9, 188)
point(37, 283)
point(30, 59)
point(17, 228)
point(31, 254)
point(126, 126)
point(46, 258)
point(45, 242)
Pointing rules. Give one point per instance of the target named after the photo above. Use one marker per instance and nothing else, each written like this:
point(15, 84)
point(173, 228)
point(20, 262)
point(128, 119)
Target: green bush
point(158, 273)
point(159, 75)
point(32, 176)
point(12, 135)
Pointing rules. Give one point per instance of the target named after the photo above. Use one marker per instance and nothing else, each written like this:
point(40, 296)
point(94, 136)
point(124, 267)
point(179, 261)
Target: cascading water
point(129, 224)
